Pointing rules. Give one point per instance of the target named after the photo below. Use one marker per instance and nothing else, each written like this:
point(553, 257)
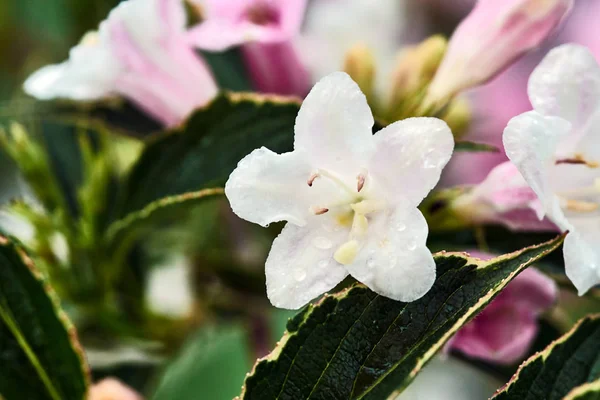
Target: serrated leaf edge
point(544, 354)
point(481, 264)
point(117, 226)
point(586, 388)
point(62, 316)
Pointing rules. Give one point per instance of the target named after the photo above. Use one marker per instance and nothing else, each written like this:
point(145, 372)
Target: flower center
point(262, 13)
point(584, 199)
point(354, 212)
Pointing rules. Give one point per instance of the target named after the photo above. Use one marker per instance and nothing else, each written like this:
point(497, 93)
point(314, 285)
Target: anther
point(311, 179)
point(581, 206)
point(360, 182)
point(318, 210)
point(346, 253)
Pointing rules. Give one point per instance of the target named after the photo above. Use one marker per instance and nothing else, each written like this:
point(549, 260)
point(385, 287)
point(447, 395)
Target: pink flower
point(140, 52)
point(503, 332)
point(112, 389)
point(264, 29)
point(490, 38)
point(231, 23)
point(503, 197)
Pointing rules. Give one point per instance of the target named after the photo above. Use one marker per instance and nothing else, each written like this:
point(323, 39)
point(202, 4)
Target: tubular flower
point(503, 332)
point(505, 198)
point(140, 52)
point(350, 198)
point(491, 37)
point(556, 149)
point(264, 29)
point(231, 23)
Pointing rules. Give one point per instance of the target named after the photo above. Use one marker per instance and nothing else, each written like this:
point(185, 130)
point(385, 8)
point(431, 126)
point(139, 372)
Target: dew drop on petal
point(323, 263)
point(401, 227)
point(299, 274)
point(412, 245)
point(371, 263)
point(322, 243)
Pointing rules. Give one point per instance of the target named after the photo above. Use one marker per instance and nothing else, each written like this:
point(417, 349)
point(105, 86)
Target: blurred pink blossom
point(505, 198)
point(140, 52)
point(265, 30)
point(503, 332)
point(490, 38)
point(112, 389)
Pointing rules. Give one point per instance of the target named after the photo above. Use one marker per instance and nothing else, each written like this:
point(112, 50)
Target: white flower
point(350, 198)
point(556, 148)
point(141, 52)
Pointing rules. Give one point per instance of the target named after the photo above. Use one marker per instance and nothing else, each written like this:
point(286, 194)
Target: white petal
point(566, 84)
point(582, 260)
point(409, 157)
point(395, 261)
point(88, 74)
point(268, 187)
point(300, 265)
point(530, 141)
point(334, 125)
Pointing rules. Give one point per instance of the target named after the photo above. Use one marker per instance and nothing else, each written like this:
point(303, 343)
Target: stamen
point(312, 178)
point(366, 206)
point(581, 206)
point(360, 224)
point(318, 210)
point(578, 159)
point(346, 253)
point(360, 182)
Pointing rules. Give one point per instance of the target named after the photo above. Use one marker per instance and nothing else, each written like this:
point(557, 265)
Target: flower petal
point(89, 74)
point(530, 141)
point(230, 23)
point(300, 265)
point(394, 262)
point(409, 157)
point(566, 84)
point(267, 187)
point(334, 125)
point(582, 257)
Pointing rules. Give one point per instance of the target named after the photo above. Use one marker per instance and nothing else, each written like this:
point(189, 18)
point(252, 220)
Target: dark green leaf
point(202, 152)
point(211, 366)
point(228, 69)
point(135, 221)
point(569, 362)
point(463, 145)
point(358, 345)
point(39, 352)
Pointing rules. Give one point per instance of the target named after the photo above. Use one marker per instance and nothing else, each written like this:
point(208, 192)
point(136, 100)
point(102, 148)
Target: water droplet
point(322, 243)
point(299, 274)
point(412, 245)
point(429, 163)
point(323, 263)
point(371, 263)
point(401, 227)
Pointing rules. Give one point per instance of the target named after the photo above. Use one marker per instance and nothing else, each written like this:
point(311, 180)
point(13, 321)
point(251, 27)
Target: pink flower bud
point(490, 38)
point(503, 332)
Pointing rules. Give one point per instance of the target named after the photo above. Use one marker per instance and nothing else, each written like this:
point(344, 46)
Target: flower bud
point(360, 65)
point(491, 37)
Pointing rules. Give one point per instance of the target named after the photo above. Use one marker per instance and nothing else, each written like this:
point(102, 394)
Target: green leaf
point(569, 362)
point(202, 152)
point(228, 69)
point(134, 221)
point(463, 145)
point(356, 344)
point(587, 391)
point(211, 366)
point(39, 352)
